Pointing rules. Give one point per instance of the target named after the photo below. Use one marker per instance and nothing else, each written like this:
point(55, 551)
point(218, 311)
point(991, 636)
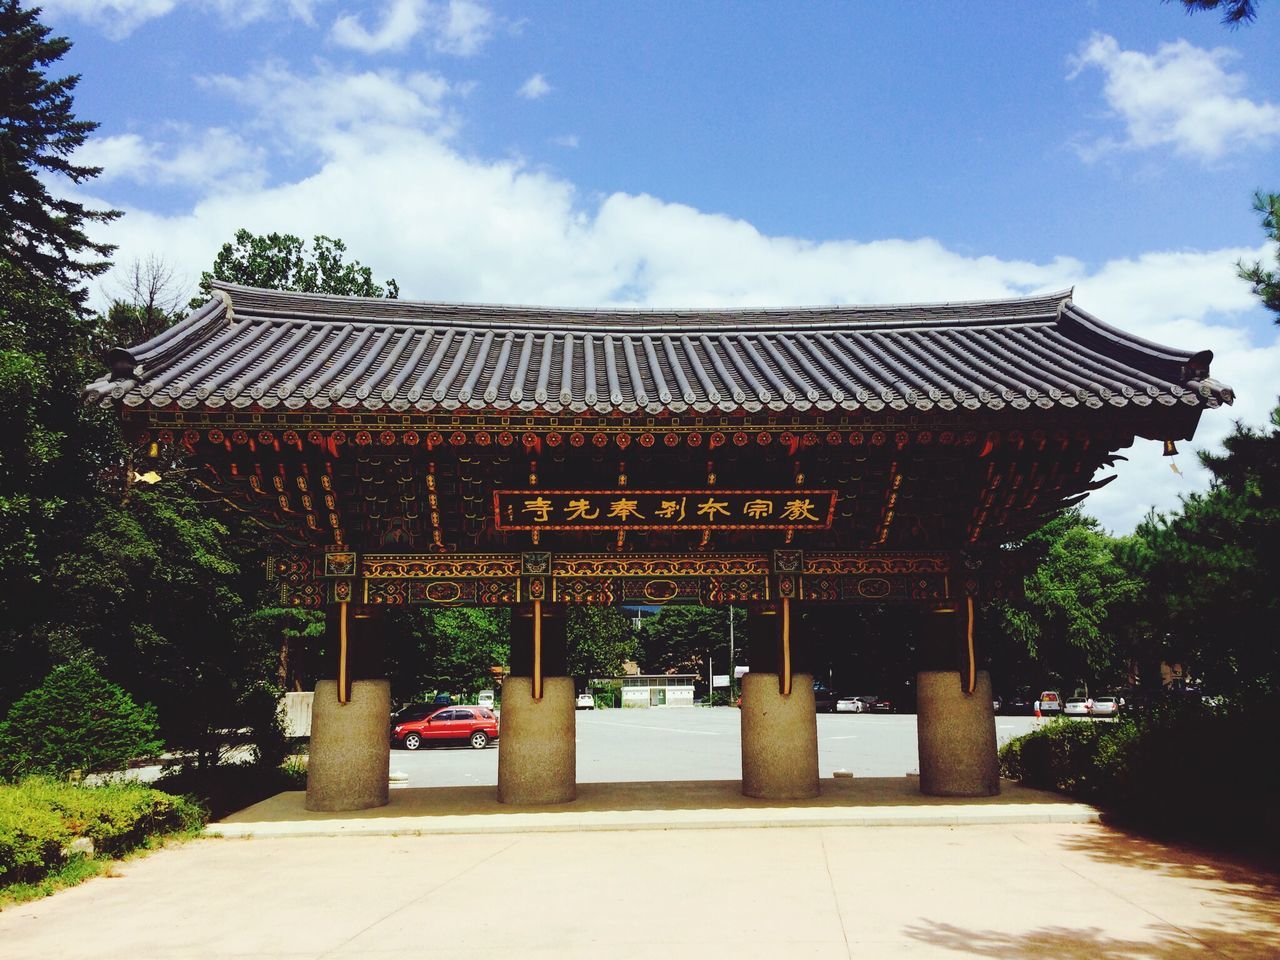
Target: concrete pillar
point(350, 754)
point(537, 753)
point(957, 736)
point(779, 738)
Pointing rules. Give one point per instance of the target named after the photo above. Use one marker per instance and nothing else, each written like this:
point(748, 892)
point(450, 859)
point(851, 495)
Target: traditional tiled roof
point(263, 348)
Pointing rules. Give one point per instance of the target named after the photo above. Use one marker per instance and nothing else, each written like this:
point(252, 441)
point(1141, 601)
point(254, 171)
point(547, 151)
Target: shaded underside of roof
point(269, 349)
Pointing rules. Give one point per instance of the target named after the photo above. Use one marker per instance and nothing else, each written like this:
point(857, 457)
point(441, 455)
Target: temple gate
point(420, 453)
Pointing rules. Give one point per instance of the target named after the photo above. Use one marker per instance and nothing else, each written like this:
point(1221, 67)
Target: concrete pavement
point(1065, 891)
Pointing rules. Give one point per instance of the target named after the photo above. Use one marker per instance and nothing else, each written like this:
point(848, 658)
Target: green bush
point(75, 720)
point(31, 837)
point(608, 693)
point(40, 817)
point(1179, 767)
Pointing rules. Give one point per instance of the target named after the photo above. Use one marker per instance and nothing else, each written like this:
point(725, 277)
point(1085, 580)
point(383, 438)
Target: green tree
point(600, 640)
point(1266, 283)
point(39, 133)
point(1070, 618)
point(1234, 12)
point(679, 639)
point(52, 449)
point(1212, 568)
point(76, 720)
point(283, 262)
point(162, 592)
point(451, 650)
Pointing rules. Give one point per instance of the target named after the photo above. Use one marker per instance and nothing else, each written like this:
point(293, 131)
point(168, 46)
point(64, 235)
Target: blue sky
point(717, 154)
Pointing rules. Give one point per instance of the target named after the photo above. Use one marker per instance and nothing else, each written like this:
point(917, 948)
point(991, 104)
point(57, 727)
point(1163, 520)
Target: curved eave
point(261, 349)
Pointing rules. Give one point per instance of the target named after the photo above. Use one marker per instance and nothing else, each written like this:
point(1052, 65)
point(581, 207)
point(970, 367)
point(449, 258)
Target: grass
point(41, 819)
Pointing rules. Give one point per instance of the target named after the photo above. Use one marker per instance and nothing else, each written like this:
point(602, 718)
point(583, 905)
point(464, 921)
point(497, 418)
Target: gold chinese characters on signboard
point(663, 509)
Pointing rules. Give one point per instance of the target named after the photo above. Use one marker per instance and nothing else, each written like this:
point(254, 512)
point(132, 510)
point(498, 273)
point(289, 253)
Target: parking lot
point(689, 743)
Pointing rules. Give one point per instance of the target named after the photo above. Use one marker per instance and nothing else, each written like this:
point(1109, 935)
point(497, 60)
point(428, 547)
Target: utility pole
point(731, 670)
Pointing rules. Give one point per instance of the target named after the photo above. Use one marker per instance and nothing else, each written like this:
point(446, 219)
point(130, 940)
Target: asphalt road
point(690, 743)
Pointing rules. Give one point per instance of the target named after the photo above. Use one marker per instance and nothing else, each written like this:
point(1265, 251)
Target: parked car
point(1018, 705)
point(475, 725)
point(855, 704)
point(824, 699)
point(585, 702)
point(413, 711)
point(883, 705)
point(1077, 707)
point(1106, 707)
point(1050, 703)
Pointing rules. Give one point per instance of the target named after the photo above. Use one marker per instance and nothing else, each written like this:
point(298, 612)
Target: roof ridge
point(1056, 297)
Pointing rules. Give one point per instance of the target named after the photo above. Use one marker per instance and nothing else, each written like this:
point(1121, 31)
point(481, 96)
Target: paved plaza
point(1061, 891)
point(691, 743)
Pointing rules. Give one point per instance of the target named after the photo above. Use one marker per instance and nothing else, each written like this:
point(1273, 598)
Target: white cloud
point(567, 140)
point(333, 110)
point(466, 26)
point(449, 226)
point(119, 18)
point(403, 20)
point(1181, 96)
point(116, 18)
point(459, 27)
point(534, 88)
point(242, 12)
point(214, 160)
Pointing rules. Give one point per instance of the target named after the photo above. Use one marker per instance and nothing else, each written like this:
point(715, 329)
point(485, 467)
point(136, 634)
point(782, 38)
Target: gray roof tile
point(263, 347)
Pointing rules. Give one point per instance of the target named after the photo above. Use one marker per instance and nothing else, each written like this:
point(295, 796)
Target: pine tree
point(1266, 283)
point(40, 232)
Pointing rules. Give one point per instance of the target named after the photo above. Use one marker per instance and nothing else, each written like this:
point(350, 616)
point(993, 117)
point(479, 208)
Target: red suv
point(475, 725)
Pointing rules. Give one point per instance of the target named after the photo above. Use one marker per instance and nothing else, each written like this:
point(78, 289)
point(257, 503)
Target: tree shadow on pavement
point(1091, 943)
point(1237, 899)
point(1120, 845)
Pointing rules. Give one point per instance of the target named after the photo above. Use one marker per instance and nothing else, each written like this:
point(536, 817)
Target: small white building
point(658, 690)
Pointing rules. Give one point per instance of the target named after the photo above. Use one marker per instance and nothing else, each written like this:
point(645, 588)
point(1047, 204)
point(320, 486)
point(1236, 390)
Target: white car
point(855, 704)
point(585, 702)
point(1077, 707)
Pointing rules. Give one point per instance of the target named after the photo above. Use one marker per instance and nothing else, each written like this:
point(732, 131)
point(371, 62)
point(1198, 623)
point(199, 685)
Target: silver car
point(855, 704)
point(1106, 707)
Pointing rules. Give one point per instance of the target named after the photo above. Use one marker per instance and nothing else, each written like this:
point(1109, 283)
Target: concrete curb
point(711, 806)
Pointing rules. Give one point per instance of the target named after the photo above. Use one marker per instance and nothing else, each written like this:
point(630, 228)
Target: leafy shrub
point(31, 838)
point(608, 693)
point(75, 720)
point(39, 818)
point(1186, 768)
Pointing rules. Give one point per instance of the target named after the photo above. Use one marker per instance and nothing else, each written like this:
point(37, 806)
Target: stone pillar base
point(957, 736)
point(779, 738)
point(350, 755)
point(537, 755)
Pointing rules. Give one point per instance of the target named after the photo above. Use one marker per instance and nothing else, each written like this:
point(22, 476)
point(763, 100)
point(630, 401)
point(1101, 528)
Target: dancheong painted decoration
point(404, 452)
